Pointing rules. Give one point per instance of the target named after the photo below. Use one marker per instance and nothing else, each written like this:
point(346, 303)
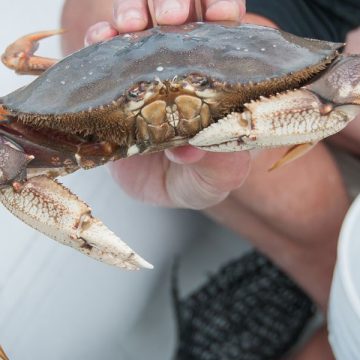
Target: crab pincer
point(49, 207)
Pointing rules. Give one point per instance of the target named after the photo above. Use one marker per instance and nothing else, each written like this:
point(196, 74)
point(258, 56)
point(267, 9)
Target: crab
point(219, 87)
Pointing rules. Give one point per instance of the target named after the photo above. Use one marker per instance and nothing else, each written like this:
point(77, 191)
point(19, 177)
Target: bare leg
point(20, 57)
point(293, 215)
point(76, 24)
point(316, 349)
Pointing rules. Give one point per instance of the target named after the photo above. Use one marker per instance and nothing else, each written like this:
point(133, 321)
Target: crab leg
point(2, 354)
point(19, 55)
point(52, 209)
point(290, 118)
point(3, 113)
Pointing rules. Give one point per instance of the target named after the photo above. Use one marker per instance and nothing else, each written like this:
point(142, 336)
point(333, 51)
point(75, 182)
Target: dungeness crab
point(215, 86)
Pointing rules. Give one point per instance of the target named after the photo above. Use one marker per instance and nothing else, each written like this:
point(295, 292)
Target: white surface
point(57, 304)
point(344, 310)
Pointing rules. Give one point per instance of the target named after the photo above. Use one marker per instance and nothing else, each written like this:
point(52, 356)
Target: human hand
point(183, 177)
point(135, 15)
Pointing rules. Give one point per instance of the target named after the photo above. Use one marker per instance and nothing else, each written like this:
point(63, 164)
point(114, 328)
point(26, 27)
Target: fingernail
point(130, 16)
point(99, 32)
point(184, 155)
point(167, 7)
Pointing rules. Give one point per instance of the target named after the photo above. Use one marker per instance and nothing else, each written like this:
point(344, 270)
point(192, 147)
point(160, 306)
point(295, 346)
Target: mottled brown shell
point(101, 73)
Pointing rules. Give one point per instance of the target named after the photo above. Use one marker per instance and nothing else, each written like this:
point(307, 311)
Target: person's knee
point(305, 199)
point(76, 24)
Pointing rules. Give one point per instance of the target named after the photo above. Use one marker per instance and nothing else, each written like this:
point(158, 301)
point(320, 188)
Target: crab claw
point(285, 119)
point(52, 209)
point(224, 135)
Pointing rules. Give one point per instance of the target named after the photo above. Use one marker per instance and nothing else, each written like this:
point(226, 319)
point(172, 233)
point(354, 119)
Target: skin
point(292, 214)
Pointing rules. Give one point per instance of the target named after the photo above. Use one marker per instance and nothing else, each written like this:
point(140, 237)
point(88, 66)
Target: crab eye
point(133, 94)
point(199, 80)
point(137, 92)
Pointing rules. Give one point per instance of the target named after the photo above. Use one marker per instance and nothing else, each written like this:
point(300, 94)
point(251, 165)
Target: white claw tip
point(144, 264)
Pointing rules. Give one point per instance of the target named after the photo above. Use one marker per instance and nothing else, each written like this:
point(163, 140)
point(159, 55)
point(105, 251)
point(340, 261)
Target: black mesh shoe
point(249, 310)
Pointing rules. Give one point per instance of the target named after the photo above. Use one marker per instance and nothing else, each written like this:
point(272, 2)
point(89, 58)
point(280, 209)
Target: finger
point(208, 181)
point(218, 10)
point(143, 177)
point(171, 12)
point(99, 32)
point(130, 15)
point(155, 179)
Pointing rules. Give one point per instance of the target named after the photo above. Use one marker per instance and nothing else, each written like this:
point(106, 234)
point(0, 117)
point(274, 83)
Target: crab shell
point(154, 89)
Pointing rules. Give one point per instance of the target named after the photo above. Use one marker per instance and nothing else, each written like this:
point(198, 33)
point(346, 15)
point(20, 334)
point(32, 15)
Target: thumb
point(208, 181)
